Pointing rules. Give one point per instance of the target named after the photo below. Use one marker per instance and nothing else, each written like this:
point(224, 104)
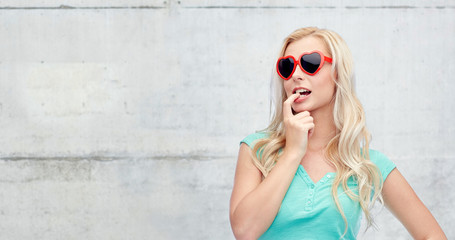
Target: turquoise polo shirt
point(308, 210)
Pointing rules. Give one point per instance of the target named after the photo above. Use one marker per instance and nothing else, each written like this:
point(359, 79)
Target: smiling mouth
point(302, 92)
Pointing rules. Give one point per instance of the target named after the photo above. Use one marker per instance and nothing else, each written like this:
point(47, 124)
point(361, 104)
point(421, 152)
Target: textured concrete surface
point(121, 119)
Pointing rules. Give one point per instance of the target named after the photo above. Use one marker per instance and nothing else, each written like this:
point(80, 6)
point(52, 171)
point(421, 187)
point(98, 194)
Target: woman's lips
point(301, 90)
point(304, 93)
point(301, 98)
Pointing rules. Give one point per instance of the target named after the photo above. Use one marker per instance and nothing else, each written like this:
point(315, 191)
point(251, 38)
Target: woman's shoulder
point(251, 139)
point(384, 164)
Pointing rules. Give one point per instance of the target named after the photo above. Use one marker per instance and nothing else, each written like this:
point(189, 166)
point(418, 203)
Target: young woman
point(310, 174)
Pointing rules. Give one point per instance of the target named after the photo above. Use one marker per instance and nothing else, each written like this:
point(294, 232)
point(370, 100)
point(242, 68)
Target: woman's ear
point(335, 75)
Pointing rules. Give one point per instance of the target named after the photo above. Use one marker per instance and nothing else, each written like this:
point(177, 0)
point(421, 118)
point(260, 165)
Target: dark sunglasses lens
point(285, 67)
point(310, 62)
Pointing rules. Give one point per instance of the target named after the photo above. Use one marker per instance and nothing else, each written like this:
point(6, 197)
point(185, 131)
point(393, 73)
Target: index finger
point(287, 105)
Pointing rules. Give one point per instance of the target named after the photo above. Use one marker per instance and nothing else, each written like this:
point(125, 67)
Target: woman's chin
point(300, 107)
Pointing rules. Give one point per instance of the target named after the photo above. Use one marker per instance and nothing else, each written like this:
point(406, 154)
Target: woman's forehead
point(306, 44)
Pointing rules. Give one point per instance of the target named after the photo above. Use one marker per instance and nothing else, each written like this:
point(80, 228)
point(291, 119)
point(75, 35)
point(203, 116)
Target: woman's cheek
point(287, 89)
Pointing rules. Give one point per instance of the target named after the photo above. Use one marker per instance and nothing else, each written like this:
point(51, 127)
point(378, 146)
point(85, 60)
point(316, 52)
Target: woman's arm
point(255, 203)
point(402, 201)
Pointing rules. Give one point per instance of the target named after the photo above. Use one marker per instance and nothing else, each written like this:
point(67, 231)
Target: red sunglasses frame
point(297, 62)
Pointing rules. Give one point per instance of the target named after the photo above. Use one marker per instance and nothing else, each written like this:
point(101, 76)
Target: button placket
point(309, 202)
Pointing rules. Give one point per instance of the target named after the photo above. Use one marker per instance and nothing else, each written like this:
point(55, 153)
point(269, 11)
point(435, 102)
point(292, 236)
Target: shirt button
point(312, 186)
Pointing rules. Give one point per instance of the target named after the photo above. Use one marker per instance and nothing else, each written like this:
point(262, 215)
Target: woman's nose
point(298, 74)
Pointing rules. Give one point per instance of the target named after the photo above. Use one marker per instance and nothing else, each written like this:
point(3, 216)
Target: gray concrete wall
point(121, 119)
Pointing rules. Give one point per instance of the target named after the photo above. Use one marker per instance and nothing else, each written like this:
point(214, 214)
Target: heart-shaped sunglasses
point(309, 62)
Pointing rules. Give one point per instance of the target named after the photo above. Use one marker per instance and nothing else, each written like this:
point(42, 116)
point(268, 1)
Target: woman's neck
point(324, 130)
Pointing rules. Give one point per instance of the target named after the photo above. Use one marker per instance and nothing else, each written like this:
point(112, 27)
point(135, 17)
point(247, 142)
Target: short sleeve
point(251, 139)
point(384, 164)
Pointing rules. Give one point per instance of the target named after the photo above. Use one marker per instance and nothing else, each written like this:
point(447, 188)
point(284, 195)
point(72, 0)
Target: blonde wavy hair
point(348, 149)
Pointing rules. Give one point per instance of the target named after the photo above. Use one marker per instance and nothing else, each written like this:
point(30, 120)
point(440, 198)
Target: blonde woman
point(310, 174)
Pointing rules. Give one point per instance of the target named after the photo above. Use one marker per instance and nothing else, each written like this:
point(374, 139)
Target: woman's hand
point(297, 128)
point(255, 201)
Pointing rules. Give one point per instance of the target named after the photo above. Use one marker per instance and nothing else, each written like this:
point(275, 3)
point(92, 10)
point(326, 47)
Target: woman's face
point(320, 86)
